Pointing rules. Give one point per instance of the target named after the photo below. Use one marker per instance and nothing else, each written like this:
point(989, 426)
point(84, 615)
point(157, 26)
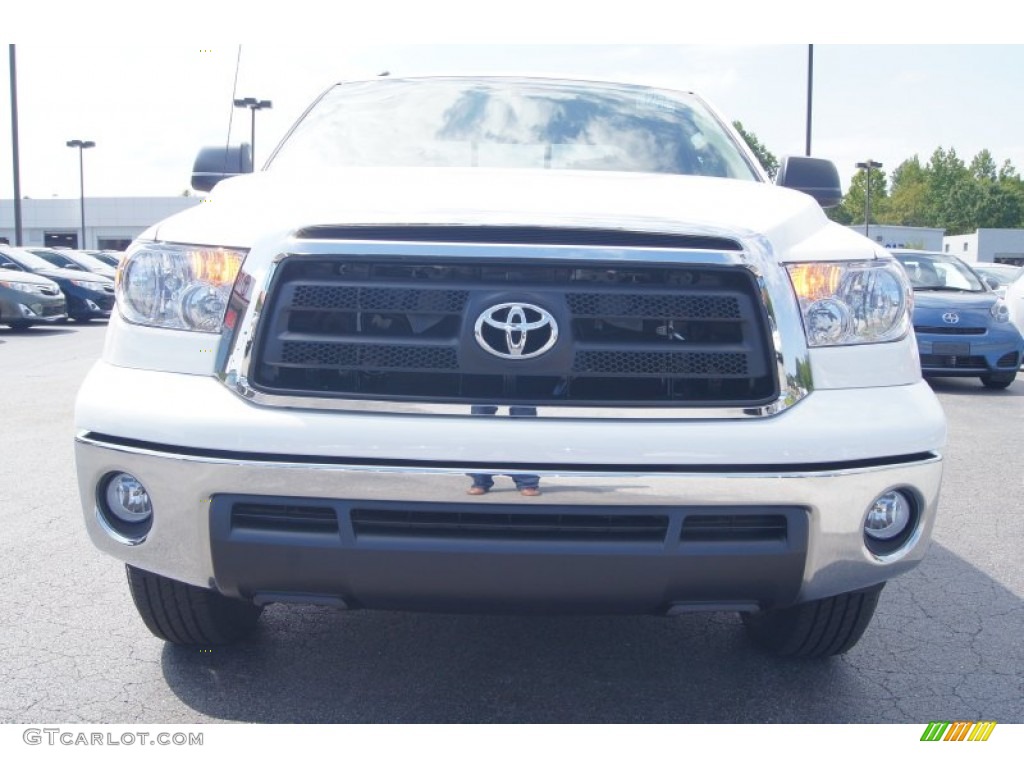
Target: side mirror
point(990, 282)
point(214, 164)
point(813, 176)
point(12, 267)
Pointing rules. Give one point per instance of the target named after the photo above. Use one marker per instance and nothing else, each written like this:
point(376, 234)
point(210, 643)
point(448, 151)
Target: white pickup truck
point(510, 344)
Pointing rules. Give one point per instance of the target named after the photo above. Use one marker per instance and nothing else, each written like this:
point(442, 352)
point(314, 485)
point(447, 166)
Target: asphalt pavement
point(945, 643)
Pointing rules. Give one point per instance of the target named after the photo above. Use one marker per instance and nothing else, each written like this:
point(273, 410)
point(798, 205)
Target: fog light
point(123, 508)
point(889, 516)
point(127, 499)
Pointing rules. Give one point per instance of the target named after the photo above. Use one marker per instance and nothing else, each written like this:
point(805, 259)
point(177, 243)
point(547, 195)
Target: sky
point(150, 103)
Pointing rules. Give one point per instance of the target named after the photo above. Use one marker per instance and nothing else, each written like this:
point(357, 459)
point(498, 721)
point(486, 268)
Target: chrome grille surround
point(787, 345)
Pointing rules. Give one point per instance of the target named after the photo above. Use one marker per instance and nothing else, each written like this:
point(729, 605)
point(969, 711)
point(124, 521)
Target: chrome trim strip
point(783, 313)
point(383, 468)
point(116, 535)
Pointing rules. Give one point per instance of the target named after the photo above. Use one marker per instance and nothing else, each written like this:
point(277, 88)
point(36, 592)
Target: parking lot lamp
point(81, 146)
point(868, 166)
point(253, 105)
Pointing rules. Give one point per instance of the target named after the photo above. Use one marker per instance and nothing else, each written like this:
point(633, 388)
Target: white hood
point(272, 205)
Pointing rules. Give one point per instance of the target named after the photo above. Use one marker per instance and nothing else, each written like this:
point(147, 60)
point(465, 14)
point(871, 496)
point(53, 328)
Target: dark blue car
point(89, 296)
point(962, 327)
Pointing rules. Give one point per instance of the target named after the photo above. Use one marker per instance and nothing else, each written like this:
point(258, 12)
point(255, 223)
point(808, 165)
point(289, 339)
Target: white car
point(511, 344)
point(1014, 298)
point(998, 276)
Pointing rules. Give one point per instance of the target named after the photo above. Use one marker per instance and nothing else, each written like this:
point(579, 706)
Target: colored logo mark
point(960, 730)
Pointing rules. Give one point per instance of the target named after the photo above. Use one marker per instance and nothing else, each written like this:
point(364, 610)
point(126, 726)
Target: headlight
point(24, 287)
point(852, 302)
point(177, 286)
point(1000, 312)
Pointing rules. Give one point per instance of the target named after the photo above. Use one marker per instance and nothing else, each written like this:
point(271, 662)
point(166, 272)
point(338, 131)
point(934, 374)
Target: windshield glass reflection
point(505, 122)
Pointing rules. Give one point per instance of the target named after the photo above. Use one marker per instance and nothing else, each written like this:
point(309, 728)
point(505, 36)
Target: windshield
point(90, 262)
point(56, 259)
point(936, 272)
point(27, 260)
point(1004, 274)
point(517, 123)
point(108, 259)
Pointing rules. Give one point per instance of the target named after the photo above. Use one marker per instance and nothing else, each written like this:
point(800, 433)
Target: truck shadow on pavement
point(37, 331)
point(972, 387)
point(945, 643)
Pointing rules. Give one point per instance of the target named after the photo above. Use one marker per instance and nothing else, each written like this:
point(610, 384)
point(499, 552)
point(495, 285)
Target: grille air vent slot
point(282, 517)
point(489, 525)
point(726, 528)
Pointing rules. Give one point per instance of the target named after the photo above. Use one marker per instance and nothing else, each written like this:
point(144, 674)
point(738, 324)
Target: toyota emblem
point(951, 317)
point(515, 331)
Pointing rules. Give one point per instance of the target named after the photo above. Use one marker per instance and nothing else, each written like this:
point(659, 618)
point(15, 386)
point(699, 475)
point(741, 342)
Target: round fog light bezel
point(126, 524)
point(887, 544)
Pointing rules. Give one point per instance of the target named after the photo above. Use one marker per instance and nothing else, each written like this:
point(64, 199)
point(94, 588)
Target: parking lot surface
point(945, 643)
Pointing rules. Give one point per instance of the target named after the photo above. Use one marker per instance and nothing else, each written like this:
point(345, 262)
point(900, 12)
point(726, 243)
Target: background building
point(111, 223)
point(995, 245)
point(893, 236)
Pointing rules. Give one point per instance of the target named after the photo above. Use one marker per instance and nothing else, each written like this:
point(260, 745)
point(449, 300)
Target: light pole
point(253, 104)
point(14, 145)
point(81, 146)
point(867, 166)
point(810, 95)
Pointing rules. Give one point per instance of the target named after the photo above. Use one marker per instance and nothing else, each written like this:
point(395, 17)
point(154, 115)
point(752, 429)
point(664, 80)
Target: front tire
point(815, 629)
point(185, 615)
point(998, 380)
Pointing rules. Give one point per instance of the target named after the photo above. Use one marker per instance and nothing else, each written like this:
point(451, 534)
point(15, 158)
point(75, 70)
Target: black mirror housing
point(813, 176)
point(214, 164)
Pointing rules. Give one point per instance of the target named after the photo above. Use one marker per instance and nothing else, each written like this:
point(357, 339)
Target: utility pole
point(810, 92)
point(14, 147)
point(867, 167)
point(253, 104)
point(81, 146)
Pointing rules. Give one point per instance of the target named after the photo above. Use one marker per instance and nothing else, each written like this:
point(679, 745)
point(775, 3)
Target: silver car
point(27, 299)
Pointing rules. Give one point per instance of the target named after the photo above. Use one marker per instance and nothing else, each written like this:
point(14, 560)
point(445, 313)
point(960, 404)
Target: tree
point(983, 167)
point(855, 199)
point(768, 161)
point(908, 201)
point(950, 198)
point(945, 193)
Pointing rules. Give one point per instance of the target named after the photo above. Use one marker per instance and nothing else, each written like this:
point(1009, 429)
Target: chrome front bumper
point(184, 483)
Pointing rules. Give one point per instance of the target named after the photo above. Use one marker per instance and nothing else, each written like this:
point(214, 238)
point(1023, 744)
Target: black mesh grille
point(405, 329)
point(734, 528)
point(661, 363)
point(374, 357)
point(952, 361)
point(676, 307)
point(949, 330)
point(378, 299)
point(506, 527)
point(1009, 360)
point(284, 517)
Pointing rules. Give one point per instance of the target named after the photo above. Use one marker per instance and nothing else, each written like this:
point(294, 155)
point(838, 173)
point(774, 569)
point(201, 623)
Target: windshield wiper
point(944, 288)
